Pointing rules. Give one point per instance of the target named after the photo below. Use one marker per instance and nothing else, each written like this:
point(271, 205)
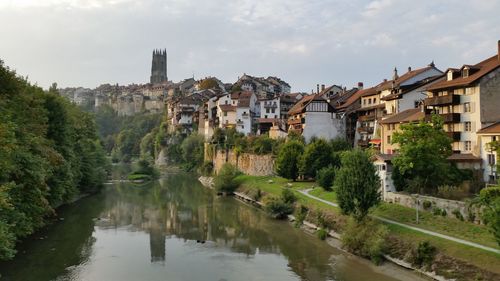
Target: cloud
point(88, 42)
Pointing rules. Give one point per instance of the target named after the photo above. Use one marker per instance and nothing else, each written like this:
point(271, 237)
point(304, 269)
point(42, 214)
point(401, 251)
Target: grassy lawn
point(444, 225)
point(450, 226)
point(475, 256)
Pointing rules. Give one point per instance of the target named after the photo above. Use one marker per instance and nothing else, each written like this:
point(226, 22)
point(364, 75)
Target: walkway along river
point(174, 229)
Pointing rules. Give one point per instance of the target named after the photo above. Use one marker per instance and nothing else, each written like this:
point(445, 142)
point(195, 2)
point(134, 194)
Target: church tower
point(159, 67)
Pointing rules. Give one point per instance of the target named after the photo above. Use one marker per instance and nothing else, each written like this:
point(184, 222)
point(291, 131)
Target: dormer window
point(449, 76)
point(465, 72)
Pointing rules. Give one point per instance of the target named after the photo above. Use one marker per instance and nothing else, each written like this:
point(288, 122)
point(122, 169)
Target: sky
point(305, 42)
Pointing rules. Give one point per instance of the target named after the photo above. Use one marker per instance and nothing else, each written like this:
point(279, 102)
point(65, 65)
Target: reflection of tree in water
point(65, 244)
point(179, 206)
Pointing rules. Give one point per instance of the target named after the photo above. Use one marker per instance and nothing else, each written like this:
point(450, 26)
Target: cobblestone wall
point(250, 164)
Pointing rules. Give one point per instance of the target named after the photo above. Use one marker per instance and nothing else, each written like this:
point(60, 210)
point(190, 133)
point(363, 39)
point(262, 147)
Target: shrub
point(287, 163)
point(325, 177)
point(277, 208)
point(423, 254)
point(427, 204)
point(224, 181)
point(322, 233)
point(317, 154)
point(366, 238)
point(458, 214)
point(287, 196)
point(300, 215)
point(443, 213)
point(439, 212)
point(207, 168)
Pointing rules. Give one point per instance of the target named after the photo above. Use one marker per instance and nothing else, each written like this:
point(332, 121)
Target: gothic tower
point(159, 67)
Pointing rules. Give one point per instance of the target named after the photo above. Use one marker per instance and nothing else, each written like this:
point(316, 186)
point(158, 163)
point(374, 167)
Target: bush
point(325, 177)
point(287, 196)
point(439, 212)
point(423, 254)
point(224, 181)
point(366, 238)
point(317, 154)
point(458, 214)
point(427, 204)
point(277, 208)
point(287, 163)
point(322, 233)
point(207, 168)
point(300, 215)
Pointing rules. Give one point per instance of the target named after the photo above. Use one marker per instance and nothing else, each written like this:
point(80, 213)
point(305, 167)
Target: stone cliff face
point(250, 164)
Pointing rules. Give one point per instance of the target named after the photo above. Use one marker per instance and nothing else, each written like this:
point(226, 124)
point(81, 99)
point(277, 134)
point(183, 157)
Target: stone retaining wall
point(450, 206)
point(250, 164)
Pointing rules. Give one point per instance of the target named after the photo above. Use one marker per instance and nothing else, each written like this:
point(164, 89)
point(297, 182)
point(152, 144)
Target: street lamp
point(417, 204)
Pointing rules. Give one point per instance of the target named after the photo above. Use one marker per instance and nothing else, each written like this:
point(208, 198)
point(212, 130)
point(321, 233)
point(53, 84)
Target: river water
point(175, 229)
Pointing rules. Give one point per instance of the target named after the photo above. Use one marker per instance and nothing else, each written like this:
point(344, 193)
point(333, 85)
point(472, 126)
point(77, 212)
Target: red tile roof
point(409, 115)
point(483, 68)
point(227, 107)
point(491, 129)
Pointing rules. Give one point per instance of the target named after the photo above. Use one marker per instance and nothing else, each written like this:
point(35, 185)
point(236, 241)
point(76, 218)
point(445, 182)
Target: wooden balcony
point(363, 143)
point(455, 136)
point(442, 100)
point(447, 117)
point(365, 130)
point(368, 117)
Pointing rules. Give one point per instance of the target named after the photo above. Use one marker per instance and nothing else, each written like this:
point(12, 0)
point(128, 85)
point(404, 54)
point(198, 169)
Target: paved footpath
point(432, 233)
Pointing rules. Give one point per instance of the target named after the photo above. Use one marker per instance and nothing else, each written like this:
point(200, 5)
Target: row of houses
point(467, 98)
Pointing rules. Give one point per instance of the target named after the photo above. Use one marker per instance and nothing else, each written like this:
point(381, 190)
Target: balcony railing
point(366, 117)
point(442, 100)
point(455, 136)
point(447, 117)
point(366, 130)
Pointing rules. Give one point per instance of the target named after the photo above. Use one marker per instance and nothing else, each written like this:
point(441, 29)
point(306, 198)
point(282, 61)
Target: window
point(491, 159)
point(226, 102)
point(267, 110)
point(449, 76)
point(467, 126)
point(369, 101)
point(225, 113)
point(388, 139)
point(467, 107)
point(468, 146)
point(469, 91)
point(273, 110)
point(364, 102)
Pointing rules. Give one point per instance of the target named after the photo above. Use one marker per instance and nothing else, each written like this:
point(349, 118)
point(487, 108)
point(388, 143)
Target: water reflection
point(175, 229)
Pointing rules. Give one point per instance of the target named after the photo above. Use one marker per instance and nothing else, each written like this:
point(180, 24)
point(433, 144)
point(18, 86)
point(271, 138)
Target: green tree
point(209, 83)
point(225, 179)
point(422, 157)
point(192, 151)
point(317, 154)
point(489, 200)
point(287, 163)
point(357, 184)
point(325, 177)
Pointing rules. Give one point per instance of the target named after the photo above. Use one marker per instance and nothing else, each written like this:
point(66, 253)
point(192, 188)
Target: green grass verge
point(453, 227)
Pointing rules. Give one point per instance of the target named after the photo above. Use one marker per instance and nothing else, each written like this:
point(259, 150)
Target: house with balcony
point(371, 110)
point(408, 90)
point(245, 112)
point(468, 100)
point(392, 124)
point(312, 116)
point(488, 155)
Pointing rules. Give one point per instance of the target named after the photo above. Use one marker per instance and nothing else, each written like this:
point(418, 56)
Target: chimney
point(409, 68)
point(322, 87)
point(317, 88)
point(360, 85)
point(385, 80)
point(498, 50)
point(395, 76)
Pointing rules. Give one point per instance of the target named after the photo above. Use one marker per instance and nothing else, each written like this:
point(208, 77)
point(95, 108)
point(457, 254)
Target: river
point(175, 229)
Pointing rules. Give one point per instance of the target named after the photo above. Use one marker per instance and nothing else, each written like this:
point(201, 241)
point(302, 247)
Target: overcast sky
point(305, 42)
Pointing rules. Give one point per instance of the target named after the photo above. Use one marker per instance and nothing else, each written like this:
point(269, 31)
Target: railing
point(447, 117)
point(442, 100)
point(455, 136)
point(366, 117)
point(365, 129)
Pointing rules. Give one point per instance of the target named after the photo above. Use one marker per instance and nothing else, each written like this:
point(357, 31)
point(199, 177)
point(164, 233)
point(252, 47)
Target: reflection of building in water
point(157, 245)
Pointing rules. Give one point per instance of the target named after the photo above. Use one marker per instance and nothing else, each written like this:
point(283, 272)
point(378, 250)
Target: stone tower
point(159, 67)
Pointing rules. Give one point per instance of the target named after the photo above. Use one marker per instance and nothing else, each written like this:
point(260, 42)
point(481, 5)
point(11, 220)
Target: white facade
point(323, 125)
point(270, 108)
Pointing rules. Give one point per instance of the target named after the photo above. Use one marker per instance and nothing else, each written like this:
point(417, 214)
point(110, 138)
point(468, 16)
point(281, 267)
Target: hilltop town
point(466, 97)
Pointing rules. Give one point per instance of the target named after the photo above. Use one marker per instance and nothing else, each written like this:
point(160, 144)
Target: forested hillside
point(49, 154)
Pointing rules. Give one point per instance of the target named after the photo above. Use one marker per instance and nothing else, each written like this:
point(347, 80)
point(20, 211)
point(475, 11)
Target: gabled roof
point(491, 129)
point(409, 115)
point(356, 96)
point(301, 105)
point(408, 88)
point(483, 68)
point(227, 107)
point(244, 99)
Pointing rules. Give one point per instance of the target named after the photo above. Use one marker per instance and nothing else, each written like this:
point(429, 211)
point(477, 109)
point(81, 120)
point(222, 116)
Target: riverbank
point(453, 261)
